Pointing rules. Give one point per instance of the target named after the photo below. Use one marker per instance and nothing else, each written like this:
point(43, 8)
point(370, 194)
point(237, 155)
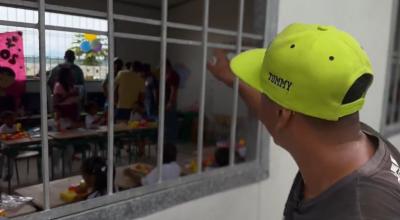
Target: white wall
point(369, 22)
point(219, 98)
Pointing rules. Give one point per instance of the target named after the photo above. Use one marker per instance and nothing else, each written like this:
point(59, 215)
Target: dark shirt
point(77, 73)
point(371, 192)
point(172, 81)
point(150, 84)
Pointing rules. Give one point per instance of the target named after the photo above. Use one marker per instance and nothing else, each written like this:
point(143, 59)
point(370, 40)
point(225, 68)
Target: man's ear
point(284, 117)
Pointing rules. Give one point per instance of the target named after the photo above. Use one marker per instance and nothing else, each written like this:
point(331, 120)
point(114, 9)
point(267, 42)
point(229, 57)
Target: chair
point(24, 155)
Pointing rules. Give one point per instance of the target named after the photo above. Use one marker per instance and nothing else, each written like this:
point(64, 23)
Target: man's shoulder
point(378, 200)
point(124, 73)
point(75, 66)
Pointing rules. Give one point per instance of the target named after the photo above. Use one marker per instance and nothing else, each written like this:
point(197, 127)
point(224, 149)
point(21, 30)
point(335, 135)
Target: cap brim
point(248, 65)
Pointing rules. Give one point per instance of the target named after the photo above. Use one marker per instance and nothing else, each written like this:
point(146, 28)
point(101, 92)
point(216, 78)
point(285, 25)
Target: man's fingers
point(220, 54)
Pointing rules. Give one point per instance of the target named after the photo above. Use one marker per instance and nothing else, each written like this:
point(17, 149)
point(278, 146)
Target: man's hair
point(118, 63)
point(138, 66)
point(128, 65)
point(146, 68)
point(170, 153)
point(97, 167)
point(69, 56)
point(64, 77)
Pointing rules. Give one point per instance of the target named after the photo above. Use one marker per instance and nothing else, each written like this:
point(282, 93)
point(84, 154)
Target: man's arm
point(172, 98)
point(221, 70)
point(104, 84)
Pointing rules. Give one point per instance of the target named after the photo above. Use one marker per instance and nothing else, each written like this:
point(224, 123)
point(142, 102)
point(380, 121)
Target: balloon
point(85, 46)
point(96, 45)
point(90, 37)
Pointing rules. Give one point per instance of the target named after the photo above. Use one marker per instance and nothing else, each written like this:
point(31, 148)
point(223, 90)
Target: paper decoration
point(96, 45)
point(85, 46)
point(12, 64)
point(90, 37)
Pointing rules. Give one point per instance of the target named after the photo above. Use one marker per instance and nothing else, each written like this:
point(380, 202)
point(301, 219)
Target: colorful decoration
point(96, 45)
point(12, 64)
point(85, 46)
point(14, 136)
point(90, 37)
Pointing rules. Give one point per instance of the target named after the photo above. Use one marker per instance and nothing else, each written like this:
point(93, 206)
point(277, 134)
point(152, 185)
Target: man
point(307, 88)
point(171, 96)
point(69, 59)
point(77, 75)
point(150, 92)
point(118, 65)
point(128, 85)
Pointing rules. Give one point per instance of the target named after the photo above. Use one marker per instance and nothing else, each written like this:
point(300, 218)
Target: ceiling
point(154, 4)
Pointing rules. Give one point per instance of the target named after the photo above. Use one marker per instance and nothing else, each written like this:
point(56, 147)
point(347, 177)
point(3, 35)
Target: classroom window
point(58, 41)
point(392, 110)
point(159, 126)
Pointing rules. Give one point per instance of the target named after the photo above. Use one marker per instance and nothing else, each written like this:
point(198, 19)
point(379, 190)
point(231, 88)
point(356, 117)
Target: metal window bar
point(236, 89)
point(394, 105)
point(188, 27)
point(270, 30)
point(200, 135)
point(387, 124)
point(76, 11)
point(18, 24)
point(110, 131)
point(43, 106)
point(75, 30)
point(99, 14)
point(164, 41)
point(177, 41)
point(19, 3)
point(137, 37)
point(163, 56)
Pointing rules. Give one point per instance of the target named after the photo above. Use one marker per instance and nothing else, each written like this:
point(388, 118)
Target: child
point(9, 126)
point(66, 100)
point(221, 156)
point(170, 169)
point(92, 119)
point(94, 173)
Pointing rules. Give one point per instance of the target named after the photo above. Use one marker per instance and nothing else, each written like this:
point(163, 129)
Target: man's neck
point(325, 160)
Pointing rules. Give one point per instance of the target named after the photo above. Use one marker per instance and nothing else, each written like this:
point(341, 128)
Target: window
point(391, 122)
point(58, 41)
point(197, 138)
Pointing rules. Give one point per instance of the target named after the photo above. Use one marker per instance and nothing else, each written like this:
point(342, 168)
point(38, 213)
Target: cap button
point(322, 28)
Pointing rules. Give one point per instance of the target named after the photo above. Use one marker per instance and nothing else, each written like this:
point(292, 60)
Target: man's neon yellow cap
point(315, 70)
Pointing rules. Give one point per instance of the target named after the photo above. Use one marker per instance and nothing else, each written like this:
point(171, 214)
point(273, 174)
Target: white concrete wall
point(369, 22)
point(219, 98)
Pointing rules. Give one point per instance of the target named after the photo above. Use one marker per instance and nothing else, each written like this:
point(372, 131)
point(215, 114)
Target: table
point(123, 181)
point(22, 141)
point(61, 185)
point(56, 187)
point(72, 134)
point(23, 210)
point(123, 127)
point(11, 148)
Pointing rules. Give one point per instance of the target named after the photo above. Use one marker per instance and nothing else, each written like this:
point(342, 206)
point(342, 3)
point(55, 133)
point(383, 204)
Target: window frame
point(391, 128)
point(150, 199)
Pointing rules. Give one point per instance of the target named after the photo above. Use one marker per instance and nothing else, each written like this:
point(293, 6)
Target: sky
point(56, 41)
